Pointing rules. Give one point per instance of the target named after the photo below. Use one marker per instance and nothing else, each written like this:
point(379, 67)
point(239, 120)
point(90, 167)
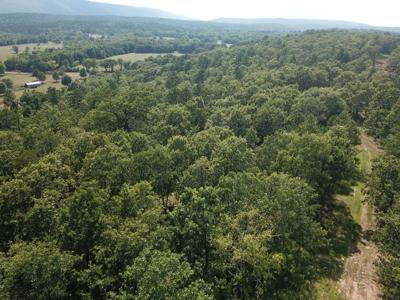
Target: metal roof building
point(32, 85)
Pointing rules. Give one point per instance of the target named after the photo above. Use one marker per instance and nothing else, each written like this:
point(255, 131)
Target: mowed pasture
point(20, 78)
point(134, 57)
point(7, 51)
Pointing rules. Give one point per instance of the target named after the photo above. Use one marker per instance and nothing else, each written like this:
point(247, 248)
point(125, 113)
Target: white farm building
point(33, 85)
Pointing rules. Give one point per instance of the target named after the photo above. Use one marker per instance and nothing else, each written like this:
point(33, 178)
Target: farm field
point(134, 57)
point(6, 51)
point(20, 78)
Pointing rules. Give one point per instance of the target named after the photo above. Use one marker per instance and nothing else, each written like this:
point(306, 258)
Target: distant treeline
point(32, 28)
point(116, 36)
point(7, 39)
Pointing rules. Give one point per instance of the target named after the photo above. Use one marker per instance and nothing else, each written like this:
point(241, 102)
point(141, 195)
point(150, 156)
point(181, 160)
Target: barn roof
point(33, 83)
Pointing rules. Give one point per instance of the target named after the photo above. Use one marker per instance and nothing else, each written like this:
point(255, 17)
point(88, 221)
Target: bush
point(2, 68)
point(3, 87)
point(8, 82)
point(56, 76)
point(41, 76)
point(66, 80)
point(83, 72)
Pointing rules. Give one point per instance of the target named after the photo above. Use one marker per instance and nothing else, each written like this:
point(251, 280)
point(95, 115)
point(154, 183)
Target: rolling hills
point(80, 7)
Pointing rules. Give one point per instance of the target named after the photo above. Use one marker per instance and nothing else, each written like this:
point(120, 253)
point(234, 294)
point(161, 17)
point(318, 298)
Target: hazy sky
point(374, 12)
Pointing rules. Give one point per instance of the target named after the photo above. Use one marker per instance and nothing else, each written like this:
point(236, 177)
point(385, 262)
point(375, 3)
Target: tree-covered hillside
point(79, 7)
point(42, 28)
point(206, 176)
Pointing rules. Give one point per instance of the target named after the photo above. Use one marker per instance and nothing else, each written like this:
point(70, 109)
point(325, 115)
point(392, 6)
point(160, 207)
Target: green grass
point(354, 201)
point(364, 158)
point(326, 289)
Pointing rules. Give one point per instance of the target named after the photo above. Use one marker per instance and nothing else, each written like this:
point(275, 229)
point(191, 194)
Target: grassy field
point(6, 51)
point(134, 57)
point(20, 78)
point(354, 201)
point(366, 154)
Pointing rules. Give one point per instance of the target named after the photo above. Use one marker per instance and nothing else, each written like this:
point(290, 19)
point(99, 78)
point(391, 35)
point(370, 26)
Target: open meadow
point(6, 51)
point(20, 78)
point(134, 57)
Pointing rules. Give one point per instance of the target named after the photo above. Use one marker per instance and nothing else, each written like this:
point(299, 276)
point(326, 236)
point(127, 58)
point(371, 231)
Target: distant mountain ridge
point(76, 8)
point(80, 7)
point(311, 23)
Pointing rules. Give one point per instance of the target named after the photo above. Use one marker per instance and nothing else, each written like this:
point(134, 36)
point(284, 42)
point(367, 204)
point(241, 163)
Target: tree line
point(73, 55)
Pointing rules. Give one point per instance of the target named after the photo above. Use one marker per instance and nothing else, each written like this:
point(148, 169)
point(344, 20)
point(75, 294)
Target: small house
point(33, 85)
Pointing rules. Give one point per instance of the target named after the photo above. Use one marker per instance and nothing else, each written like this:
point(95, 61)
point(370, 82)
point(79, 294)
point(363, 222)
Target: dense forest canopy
point(23, 28)
point(205, 176)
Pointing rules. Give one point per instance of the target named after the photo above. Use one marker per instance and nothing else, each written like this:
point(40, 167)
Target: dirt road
point(359, 280)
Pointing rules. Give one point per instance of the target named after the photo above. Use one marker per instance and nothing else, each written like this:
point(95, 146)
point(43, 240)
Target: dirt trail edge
point(359, 281)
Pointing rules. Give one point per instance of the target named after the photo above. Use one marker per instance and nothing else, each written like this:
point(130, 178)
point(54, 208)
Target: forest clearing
point(20, 78)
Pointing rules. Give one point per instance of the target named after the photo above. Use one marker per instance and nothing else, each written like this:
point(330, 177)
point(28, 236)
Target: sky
point(373, 12)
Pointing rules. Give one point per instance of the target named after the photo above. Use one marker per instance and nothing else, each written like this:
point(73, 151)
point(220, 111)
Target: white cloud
point(382, 12)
